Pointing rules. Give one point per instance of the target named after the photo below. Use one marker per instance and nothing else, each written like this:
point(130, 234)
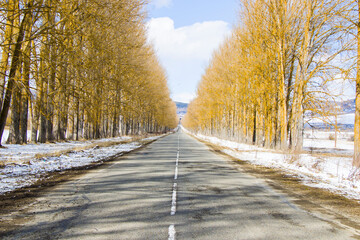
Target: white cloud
point(161, 3)
point(185, 52)
point(197, 40)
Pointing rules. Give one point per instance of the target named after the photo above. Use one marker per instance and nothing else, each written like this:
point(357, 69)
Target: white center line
point(176, 173)
point(176, 166)
point(173, 202)
point(172, 231)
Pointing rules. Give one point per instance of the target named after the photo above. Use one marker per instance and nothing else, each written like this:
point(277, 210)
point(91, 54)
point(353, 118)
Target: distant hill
point(348, 106)
point(181, 108)
point(344, 119)
point(181, 105)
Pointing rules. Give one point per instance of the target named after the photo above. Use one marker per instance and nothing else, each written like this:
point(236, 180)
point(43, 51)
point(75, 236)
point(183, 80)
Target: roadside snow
point(26, 164)
point(327, 171)
point(18, 154)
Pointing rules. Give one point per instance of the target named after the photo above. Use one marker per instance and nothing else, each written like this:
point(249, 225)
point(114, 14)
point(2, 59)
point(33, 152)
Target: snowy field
point(323, 167)
point(23, 165)
point(316, 141)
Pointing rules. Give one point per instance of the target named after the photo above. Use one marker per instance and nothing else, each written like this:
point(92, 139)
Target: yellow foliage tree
point(86, 71)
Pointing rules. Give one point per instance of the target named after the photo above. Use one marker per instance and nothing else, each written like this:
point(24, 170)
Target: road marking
point(172, 232)
point(176, 166)
point(173, 202)
point(176, 173)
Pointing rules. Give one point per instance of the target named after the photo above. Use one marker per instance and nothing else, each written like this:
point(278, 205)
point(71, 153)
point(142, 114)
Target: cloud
point(185, 52)
point(194, 41)
point(161, 3)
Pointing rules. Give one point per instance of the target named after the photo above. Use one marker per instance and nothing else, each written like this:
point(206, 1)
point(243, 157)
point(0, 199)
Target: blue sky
point(188, 12)
point(184, 34)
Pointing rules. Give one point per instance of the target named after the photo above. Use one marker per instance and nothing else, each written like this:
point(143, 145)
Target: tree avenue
point(280, 63)
point(73, 69)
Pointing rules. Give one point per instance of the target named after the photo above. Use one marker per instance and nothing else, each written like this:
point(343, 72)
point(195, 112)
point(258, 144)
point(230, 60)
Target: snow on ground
point(18, 154)
point(318, 141)
point(330, 171)
point(25, 164)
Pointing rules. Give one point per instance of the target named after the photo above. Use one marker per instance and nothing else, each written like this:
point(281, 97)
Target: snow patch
point(23, 166)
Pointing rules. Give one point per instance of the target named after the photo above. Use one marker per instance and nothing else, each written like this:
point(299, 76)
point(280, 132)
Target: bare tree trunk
point(43, 91)
point(24, 118)
point(14, 133)
point(50, 112)
point(34, 104)
point(86, 128)
point(64, 100)
point(297, 114)
point(81, 121)
point(282, 102)
point(115, 125)
point(15, 63)
point(41, 107)
point(77, 123)
point(26, 80)
point(42, 130)
point(25, 97)
point(9, 34)
point(356, 161)
point(254, 129)
point(51, 85)
point(34, 121)
point(70, 125)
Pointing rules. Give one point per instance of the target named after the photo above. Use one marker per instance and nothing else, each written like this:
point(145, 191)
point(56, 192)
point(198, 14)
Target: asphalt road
point(175, 188)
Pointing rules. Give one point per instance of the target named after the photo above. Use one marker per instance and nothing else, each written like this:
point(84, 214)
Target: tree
point(275, 66)
point(81, 69)
point(356, 161)
point(15, 63)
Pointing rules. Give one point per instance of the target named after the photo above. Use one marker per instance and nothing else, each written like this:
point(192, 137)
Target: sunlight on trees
point(277, 66)
point(76, 69)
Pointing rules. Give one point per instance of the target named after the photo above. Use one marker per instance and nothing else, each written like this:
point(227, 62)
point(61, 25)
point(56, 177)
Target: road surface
point(175, 188)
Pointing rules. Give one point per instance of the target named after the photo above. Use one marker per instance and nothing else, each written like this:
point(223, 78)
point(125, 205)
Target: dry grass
point(331, 136)
point(327, 155)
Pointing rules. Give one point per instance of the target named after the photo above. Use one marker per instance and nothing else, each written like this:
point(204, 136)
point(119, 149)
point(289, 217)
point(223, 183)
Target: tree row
point(283, 61)
point(73, 69)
